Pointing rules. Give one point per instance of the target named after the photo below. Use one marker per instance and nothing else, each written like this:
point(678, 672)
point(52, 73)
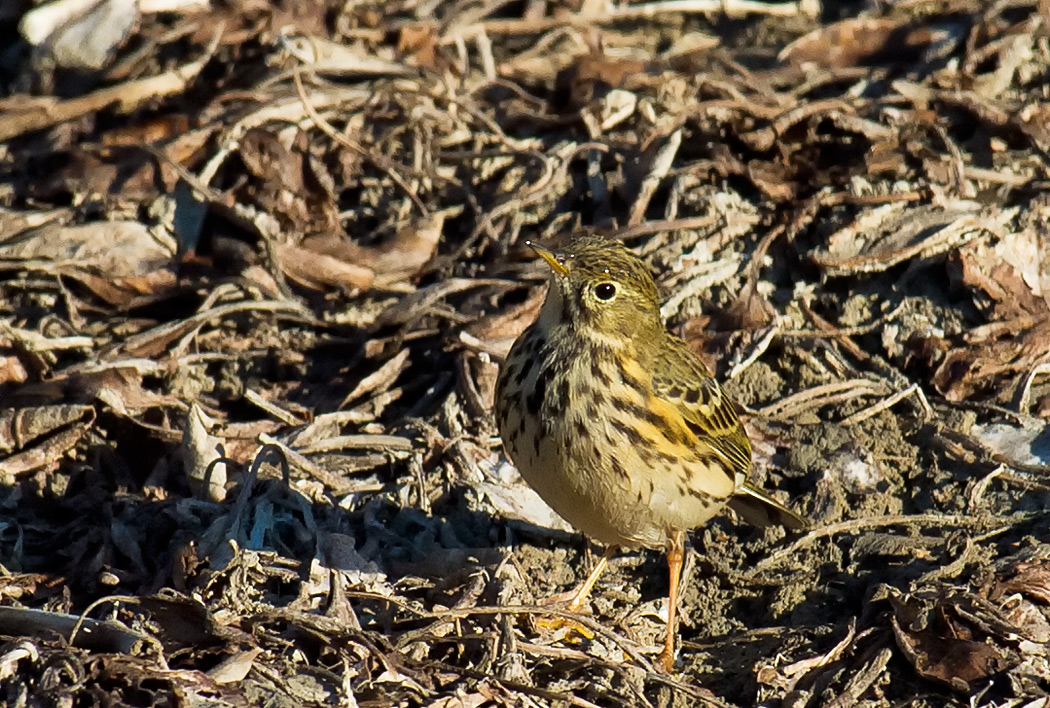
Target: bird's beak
point(554, 260)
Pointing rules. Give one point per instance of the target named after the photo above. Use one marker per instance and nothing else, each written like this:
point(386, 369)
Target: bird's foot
point(666, 660)
point(573, 631)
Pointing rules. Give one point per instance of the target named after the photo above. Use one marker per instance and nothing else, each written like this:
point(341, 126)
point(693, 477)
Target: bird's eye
point(605, 291)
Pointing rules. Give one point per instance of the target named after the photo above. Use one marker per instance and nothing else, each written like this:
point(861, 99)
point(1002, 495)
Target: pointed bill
point(553, 259)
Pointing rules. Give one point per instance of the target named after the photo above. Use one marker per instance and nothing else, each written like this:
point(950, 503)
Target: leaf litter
point(259, 265)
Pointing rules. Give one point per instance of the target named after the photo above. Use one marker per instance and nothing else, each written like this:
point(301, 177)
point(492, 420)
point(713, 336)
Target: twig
point(730, 8)
point(757, 350)
point(827, 330)
point(819, 396)
point(1024, 393)
point(661, 164)
point(386, 165)
point(124, 98)
point(890, 401)
point(854, 525)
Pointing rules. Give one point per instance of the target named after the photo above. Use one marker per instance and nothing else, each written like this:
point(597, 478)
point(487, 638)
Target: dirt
point(221, 252)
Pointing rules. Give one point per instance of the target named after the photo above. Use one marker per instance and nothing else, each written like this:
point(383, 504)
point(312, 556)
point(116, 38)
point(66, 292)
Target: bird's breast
point(580, 419)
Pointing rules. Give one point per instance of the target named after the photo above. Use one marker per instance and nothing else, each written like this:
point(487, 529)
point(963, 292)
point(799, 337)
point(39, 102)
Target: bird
point(616, 423)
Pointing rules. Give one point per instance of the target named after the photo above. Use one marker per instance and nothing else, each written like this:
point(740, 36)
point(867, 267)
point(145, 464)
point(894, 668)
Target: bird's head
point(600, 284)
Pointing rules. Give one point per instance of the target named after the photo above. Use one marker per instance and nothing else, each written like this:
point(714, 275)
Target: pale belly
point(595, 474)
point(629, 503)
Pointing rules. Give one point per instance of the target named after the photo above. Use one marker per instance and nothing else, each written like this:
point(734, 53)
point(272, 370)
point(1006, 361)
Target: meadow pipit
point(616, 423)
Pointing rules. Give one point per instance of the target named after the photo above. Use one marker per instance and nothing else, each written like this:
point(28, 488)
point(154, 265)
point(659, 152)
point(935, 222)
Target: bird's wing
point(681, 379)
point(759, 509)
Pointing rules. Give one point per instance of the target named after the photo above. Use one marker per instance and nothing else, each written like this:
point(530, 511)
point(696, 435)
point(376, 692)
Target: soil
point(251, 318)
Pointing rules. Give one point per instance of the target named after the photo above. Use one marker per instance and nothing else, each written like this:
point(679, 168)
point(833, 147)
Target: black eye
point(605, 291)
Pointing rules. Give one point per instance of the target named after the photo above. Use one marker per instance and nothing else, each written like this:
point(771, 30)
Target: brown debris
point(941, 644)
point(863, 41)
point(260, 263)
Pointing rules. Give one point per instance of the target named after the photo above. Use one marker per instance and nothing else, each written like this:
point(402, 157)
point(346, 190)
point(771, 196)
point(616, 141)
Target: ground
point(259, 264)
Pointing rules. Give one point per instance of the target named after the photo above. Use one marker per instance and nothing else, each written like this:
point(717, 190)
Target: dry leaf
point(863, 41)
point(81, 34)
point(311, 267)
point(119, 249)
point(200, 453)
point(941, 635)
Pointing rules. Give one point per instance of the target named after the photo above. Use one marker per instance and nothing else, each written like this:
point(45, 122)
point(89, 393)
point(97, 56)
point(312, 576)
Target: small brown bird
point(616, 423)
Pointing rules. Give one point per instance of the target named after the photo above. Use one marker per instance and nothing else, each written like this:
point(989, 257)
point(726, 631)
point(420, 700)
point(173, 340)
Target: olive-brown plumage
point(615, 422)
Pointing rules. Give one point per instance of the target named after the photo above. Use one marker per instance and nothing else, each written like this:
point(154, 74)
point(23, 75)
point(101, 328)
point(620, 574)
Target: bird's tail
point(760, 509)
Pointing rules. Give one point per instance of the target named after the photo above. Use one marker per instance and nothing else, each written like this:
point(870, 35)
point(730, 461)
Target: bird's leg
point(581, 595)
point(674, 564)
